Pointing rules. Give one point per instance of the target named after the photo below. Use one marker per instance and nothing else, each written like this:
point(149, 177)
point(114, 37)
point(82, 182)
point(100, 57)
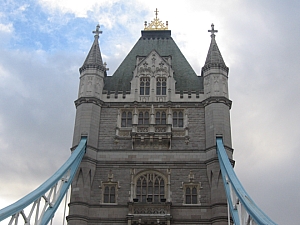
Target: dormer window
point(145, 86)
point(144, 118)
point(161, 86)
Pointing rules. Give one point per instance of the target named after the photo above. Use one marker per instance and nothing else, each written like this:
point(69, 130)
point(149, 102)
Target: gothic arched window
point(150, 187)
point(143, 118)
point(145, 86)
point(161, 86)
point(160, 118)
point(178, 119)
point(126, 119)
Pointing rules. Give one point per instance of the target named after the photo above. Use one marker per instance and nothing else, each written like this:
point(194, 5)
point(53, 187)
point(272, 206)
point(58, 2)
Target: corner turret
point(93, 71)
point(215, 71)
point(217, 103)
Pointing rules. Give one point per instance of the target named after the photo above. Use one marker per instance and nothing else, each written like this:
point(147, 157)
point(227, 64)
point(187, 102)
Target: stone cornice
point(92, 66)
point(92, 100)
point(217, 99)
point(214, 65)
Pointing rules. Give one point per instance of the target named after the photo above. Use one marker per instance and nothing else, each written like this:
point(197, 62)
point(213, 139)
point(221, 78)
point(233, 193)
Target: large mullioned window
point(109, 194)
point(145, 86)
point(191, 195)
point(143, 118)
point(150, 187)
point(126, 119)
point(160, 118)
point(178, 119)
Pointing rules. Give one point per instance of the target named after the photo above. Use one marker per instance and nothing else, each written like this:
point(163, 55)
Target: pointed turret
point(215, 76)
point(214, 58)
point(93, 71)
point(94, 58)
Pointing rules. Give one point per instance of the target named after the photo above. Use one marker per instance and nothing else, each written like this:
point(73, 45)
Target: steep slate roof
point(162, 42)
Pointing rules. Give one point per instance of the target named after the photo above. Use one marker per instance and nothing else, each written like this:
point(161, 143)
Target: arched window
point(126, 119)
point(178, 119)
point(145, 86)
point(161, 86)
point(160, 118)
point(150, 187)
point(143, 118)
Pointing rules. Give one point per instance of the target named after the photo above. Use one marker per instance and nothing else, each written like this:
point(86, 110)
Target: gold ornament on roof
point(156, 24)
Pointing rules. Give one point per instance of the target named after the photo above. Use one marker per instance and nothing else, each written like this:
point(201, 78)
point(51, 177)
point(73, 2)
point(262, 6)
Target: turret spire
point(214, 57)
point(94, 58)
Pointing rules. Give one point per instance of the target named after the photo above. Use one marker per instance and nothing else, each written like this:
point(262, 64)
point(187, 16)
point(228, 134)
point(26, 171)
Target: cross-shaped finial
point(212, 31)
point(97, 31)
point(156, 13)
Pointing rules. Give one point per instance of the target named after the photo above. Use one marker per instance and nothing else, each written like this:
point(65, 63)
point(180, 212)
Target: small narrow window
point(161, 86)
point(163, 118)
point(146, 118)
point(157, 118)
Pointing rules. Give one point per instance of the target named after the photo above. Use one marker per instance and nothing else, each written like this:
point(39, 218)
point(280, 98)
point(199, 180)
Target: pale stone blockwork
point(151, 127)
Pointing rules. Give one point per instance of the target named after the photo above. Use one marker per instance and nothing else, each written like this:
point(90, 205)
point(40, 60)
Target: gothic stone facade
point(151, 128)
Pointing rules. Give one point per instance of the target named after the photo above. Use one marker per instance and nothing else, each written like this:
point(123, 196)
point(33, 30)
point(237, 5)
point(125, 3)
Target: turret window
point(161, 86)
point(160, 118)
point(143, 118)
point(126, 120)
point(178, 119)
point(145, 86)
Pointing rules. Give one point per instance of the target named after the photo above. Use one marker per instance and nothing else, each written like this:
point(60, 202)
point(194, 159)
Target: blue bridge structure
point(42, 203)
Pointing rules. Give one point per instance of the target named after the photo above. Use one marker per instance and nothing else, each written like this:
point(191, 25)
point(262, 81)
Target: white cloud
point(6, 28)
point(79, 8)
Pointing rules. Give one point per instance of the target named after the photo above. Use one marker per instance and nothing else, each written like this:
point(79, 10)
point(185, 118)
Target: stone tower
point(151, 128)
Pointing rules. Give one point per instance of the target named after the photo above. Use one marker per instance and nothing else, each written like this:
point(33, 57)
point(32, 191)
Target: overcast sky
point(44, 42)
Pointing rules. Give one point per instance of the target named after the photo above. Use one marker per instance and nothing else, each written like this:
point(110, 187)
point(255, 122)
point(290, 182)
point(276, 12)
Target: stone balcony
point(152, 136)
point(149, 213)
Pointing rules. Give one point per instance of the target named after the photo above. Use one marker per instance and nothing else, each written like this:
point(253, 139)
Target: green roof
point(163, 43)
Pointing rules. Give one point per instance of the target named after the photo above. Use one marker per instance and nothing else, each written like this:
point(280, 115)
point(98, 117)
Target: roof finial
point(156, 24)
point(97, 31)
point(213, 31)
point(156, 13)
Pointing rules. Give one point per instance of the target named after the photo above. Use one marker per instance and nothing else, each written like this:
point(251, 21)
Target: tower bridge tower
point(151, 128)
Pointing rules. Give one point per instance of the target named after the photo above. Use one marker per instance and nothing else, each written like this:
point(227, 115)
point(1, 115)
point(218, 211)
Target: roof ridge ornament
point(213, 31)
point(156, 24)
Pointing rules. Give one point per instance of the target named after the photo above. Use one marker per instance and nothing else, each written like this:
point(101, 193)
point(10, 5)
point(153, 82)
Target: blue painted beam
point(72, 163)
point(227, 171)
